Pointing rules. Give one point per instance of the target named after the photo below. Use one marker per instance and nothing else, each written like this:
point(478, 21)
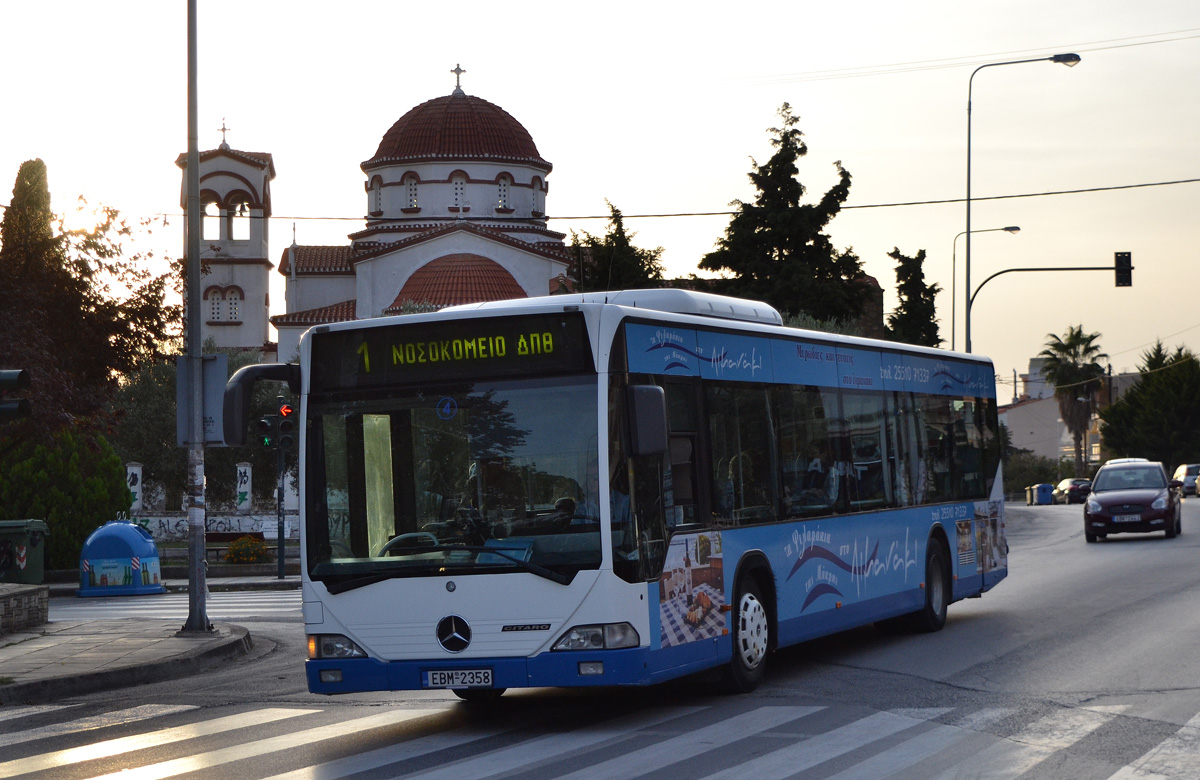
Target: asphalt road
point(1078, 666)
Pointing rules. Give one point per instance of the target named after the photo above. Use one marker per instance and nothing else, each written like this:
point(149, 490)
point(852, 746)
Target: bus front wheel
point(932, 616)
point(751, 635)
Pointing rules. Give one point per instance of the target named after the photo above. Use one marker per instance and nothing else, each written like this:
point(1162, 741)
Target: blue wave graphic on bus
point(813, 553)
point(674, 346)
point(823, 589)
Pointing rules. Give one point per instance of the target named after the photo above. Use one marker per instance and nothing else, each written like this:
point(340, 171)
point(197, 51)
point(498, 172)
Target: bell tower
point(235, 193)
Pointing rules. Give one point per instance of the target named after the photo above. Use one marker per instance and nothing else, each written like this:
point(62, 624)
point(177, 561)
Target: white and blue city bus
point(624, 488)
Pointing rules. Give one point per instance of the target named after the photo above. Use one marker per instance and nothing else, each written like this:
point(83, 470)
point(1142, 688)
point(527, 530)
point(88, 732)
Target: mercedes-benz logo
point(454, 633)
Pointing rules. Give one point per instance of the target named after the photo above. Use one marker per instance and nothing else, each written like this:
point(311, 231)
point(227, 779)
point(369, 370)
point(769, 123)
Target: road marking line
point(132, 715)
point(1175, 758)
point(128, 744)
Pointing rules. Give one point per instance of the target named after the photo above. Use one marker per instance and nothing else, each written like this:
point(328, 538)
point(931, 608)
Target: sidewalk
point(70, 658)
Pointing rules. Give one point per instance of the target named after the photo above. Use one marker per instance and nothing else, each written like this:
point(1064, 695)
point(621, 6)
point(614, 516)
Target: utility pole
point(197, 584)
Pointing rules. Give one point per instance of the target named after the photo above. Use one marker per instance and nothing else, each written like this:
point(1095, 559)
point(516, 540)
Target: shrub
point(75, 485)
point(248, 549)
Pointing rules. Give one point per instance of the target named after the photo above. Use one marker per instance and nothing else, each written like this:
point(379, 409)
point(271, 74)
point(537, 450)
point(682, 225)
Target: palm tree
point(1072, 368)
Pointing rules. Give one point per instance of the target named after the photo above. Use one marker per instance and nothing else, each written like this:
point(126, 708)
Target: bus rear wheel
point(751, 637)
point(932, 616)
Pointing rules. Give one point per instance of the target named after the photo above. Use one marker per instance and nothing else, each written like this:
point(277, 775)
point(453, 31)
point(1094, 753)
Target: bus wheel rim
point(752, 632)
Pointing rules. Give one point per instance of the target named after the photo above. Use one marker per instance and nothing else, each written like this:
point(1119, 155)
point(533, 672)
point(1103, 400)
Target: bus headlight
point(332, 646)
point(609, 636)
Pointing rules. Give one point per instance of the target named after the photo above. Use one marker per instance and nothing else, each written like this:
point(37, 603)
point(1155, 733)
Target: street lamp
point(1070, 60)
point(953, 282)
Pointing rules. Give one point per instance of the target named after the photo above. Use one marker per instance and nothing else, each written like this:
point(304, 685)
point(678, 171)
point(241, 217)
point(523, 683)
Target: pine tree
point(613, 262)
point(915, 320)
point(775, 249)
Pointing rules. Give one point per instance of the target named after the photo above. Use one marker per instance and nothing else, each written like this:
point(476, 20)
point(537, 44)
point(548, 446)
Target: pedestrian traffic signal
point(268, 430)
point(1124, 269)
point(12, 380)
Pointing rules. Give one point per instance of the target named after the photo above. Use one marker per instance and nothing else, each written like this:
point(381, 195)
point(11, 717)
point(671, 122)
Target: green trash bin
point(23, 551)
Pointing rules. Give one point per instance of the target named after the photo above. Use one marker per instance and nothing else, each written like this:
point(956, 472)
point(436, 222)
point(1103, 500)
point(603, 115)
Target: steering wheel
point(421, 538)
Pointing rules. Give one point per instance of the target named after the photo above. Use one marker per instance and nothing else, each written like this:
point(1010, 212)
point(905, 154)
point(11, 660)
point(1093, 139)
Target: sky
point(660, 109)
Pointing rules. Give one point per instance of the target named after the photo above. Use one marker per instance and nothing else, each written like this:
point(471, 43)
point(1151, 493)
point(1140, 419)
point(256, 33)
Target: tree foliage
point(75, 483)
point(775, 249)
point(1159, 417)
point(1071, 366)
point(612, 262)
point(144, 432)
point(915, 319)
point(77, 311)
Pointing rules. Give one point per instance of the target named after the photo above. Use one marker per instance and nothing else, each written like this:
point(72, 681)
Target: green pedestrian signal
point(268, 430)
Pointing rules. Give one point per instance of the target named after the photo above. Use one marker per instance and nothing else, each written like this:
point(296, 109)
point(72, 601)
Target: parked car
point(1071, 491)
point(1187, 474)
point(1132, 496)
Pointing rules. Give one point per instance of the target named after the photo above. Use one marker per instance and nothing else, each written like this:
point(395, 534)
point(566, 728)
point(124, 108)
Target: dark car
point(1132, 496)
point(1071, 491)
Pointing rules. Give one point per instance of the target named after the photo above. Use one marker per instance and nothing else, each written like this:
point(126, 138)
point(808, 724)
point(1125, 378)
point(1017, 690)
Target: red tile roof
point(318, 260)
point(457, 127)
point(337, 312)
point(455, 279)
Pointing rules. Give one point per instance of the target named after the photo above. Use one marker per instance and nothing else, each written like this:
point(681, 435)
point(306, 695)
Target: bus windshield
point(469, 477)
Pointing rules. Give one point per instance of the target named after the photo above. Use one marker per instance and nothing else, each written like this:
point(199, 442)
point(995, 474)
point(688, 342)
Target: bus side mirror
point(647, 420)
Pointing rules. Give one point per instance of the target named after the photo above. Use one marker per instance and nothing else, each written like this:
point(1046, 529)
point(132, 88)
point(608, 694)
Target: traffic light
point(12, 408)
point(268, 430)
point(1124, 269)
point(287, 425)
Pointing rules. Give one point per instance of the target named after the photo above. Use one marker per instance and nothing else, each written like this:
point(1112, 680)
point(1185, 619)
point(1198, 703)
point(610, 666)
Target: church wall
point(436, 192)
point(313, 292)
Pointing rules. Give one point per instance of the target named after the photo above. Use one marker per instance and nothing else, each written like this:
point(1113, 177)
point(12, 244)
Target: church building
point(455, 213)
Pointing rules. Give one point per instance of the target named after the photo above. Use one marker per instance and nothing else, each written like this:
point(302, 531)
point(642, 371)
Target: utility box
point(23, 551)
point(119, 559)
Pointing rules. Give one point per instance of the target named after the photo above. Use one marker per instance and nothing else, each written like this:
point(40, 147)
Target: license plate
point(1127, 518)
point(459, 678)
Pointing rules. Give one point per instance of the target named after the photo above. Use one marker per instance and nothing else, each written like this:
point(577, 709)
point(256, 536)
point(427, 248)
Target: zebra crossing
point(230, 605)
point(431, 740)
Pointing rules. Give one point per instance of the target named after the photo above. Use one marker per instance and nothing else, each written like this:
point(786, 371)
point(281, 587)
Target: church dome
point(457, 127)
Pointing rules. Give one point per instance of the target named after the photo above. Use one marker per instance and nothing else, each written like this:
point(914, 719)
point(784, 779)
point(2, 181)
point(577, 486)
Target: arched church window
point(376, 206)
point(239, 220)
point(459, 184)
point(410, 192)
point(214, 304)
point(211, 227)
point(233, 304)
point(539, 197)
point(502, 194)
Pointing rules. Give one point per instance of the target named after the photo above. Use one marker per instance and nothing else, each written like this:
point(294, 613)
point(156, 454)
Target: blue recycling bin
point(119, 559)
point(1044, 493)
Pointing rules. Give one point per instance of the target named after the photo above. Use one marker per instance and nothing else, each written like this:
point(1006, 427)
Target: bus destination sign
point(526, 345)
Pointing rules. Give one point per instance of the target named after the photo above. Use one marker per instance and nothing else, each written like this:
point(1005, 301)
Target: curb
point(237, 643)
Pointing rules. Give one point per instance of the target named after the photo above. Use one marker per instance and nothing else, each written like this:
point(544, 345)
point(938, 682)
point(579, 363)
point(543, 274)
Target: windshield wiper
point(371, 579)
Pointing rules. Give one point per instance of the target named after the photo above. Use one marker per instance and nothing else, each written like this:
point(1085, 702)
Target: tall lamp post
point(953, 278)
point(1070, 60)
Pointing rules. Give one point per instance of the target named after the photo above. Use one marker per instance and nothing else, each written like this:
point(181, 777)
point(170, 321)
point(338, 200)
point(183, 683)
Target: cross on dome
point(458, 71)
point(224, 144)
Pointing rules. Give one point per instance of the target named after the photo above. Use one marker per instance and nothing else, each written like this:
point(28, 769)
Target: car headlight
point(1094, 506)
point(609, 636)
point(1160, 502)
point(332, 646)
